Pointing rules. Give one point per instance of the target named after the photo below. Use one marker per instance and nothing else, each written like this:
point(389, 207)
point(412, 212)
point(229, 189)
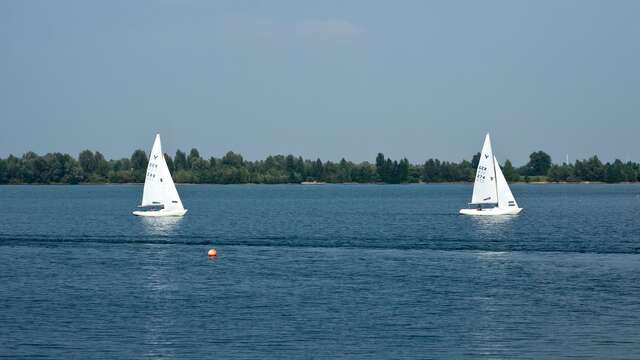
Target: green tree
point(4, 174)
point(87, 161)
point(561, 173)
point(539, 164)
point(591, 169)
point(475, 161)
point(72, 171)
point(102, 166)
point(615, 172)
point(180, 161)
point(509, 172)
point(32, 168)
point(364, 173)
point(381, 166)
point(14, 175)
point(431, 171)
point(232, 159)
point(403, 170)
point(194, 156)
point(139, 160)
point(317, 171)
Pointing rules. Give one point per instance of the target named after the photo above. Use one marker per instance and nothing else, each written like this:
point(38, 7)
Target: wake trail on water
point(369, 243)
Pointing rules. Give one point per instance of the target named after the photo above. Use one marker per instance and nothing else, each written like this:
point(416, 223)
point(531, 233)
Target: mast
point(495, 177)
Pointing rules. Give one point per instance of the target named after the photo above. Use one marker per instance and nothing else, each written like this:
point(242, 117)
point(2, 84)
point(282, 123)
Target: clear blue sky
point(327, 79)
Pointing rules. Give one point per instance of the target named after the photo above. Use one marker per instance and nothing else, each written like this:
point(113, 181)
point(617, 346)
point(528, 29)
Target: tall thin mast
point(495, 176)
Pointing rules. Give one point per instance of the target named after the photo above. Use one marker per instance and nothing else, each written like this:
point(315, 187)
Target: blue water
point(335, 271)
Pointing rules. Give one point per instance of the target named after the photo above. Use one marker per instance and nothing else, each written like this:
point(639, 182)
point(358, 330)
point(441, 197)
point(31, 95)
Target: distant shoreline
point(92, 168)
point(344, 183)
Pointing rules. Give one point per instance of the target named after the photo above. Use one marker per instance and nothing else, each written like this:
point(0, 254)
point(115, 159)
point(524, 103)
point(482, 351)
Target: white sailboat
point(160, 192)
point(490, 188)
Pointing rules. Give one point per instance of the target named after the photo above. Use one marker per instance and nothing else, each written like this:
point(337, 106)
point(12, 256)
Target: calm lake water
point(335, 271)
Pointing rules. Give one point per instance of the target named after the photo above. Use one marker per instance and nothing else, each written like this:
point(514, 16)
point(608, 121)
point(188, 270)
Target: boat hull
point(161, 213)
point(491, 211)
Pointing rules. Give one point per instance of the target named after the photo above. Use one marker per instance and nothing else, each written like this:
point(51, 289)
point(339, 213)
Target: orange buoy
point(212, 252)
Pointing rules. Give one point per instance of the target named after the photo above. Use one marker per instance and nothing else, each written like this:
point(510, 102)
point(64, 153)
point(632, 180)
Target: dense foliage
point(232, 168)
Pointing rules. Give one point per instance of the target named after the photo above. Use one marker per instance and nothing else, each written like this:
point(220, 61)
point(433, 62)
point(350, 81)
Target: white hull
point(491, 211)
point(161, 212)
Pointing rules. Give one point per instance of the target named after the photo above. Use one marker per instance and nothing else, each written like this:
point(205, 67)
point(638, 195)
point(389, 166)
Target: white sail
point(491, 187)
point(484, 187)
point(505, 197)
point(159, 188)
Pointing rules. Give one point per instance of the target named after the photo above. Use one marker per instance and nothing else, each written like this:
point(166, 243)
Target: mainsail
point(159, 188)
point(484, 187)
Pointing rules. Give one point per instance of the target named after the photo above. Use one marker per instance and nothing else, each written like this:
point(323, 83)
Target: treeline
point(594, 170)
point(232, 168)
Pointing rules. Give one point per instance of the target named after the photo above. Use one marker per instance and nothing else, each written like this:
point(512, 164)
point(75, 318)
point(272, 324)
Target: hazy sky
point(327, 79)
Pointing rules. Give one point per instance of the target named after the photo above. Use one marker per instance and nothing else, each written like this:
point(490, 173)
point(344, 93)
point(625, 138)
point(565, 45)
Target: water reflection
point(160, 289)
point(161, 225)
point(487, 334)
point(493, 225)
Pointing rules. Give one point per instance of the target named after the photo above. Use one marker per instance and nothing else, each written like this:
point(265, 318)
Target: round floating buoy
point(212, 252)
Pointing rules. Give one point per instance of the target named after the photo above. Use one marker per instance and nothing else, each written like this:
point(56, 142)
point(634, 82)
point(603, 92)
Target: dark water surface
point(335, 271)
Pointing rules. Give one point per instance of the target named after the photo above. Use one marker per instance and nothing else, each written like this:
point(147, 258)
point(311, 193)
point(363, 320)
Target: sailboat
point(491, 193)
point(159, 194)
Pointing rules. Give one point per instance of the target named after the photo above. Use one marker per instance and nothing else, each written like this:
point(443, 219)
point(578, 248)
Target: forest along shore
point(92, 168)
